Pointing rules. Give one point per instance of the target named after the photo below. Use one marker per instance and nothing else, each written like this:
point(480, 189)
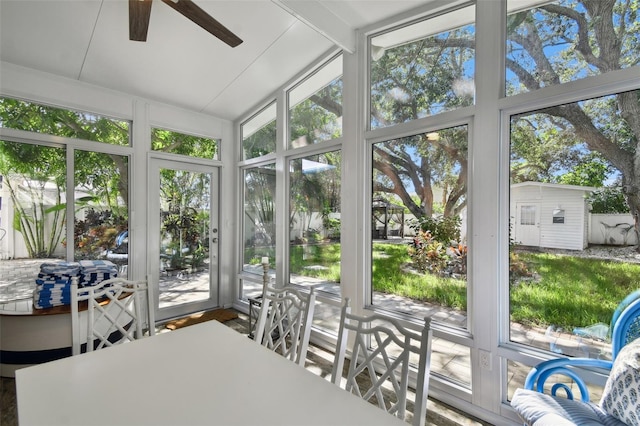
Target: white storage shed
point(550, 215)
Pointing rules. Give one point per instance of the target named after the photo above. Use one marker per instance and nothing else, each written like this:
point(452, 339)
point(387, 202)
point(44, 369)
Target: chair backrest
point(631, 297)
point(626, 327)
point(117, 311)
point(284, 321)
point(381, 354)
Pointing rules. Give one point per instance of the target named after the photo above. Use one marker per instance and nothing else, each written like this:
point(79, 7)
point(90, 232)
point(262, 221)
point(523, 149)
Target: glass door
point(183, 252)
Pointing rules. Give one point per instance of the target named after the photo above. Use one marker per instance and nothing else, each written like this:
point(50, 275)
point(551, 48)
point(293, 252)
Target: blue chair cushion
point(538, 409)
point(621, 395)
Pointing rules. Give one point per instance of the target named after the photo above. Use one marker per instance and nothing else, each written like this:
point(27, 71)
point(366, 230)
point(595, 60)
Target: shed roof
point(555, 186)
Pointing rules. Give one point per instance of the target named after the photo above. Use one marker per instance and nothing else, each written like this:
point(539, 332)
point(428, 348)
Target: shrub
point(428, 254)
point(458, 262)
point(518, 268)
point(608, 200)
point(97, 232)
point(436, 248)
point(443, 229)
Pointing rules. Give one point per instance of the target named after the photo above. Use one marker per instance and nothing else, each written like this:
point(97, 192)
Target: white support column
point(353, 215)
point(484, 213)
point(138, 190)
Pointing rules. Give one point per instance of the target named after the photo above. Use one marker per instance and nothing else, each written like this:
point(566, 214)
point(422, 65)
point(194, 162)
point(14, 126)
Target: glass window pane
point(185, 218)
point(528, 215)
point(34, 200)
point(419, 251)
point(180, 143)
point(314, 221)
point(315, 106)
point(259, 133)
point(39, 118)
point(566, 40)
point(423, 69)
point(451, 361)
point(574, 203)
point(327, 317)
point(101, 223)
point(259, 229)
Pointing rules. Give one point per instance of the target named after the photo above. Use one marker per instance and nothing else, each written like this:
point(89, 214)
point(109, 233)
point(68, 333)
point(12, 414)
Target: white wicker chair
point(381, 354)
point(117, 311)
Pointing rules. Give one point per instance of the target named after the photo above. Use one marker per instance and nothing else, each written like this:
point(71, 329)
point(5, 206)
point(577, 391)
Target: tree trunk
point(632, 195)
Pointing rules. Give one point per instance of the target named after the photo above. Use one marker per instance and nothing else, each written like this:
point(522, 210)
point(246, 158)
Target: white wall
point(570, 234)
point(6, 219)
point(612, 229)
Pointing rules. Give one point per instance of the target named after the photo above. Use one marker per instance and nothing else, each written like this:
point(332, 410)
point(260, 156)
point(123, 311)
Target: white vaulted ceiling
point(180, 63)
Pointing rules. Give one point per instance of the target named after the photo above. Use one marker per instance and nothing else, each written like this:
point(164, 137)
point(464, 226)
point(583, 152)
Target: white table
point(201, 374)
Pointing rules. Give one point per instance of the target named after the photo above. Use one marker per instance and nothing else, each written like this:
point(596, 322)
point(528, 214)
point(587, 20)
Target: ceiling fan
point(140, 12)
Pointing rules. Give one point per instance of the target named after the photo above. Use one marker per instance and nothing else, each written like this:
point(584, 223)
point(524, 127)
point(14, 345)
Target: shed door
point(527, 232)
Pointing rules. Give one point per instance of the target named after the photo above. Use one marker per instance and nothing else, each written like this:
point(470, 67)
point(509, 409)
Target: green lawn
point(316, 260)
point(567, 292)
point(390, 275)
point(572, 291)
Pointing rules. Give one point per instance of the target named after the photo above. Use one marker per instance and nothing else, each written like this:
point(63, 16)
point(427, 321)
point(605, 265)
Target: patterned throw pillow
point(621, 396)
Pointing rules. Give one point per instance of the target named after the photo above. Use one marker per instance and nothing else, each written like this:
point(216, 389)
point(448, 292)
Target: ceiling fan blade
point(192, 11)
point(139, 14)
